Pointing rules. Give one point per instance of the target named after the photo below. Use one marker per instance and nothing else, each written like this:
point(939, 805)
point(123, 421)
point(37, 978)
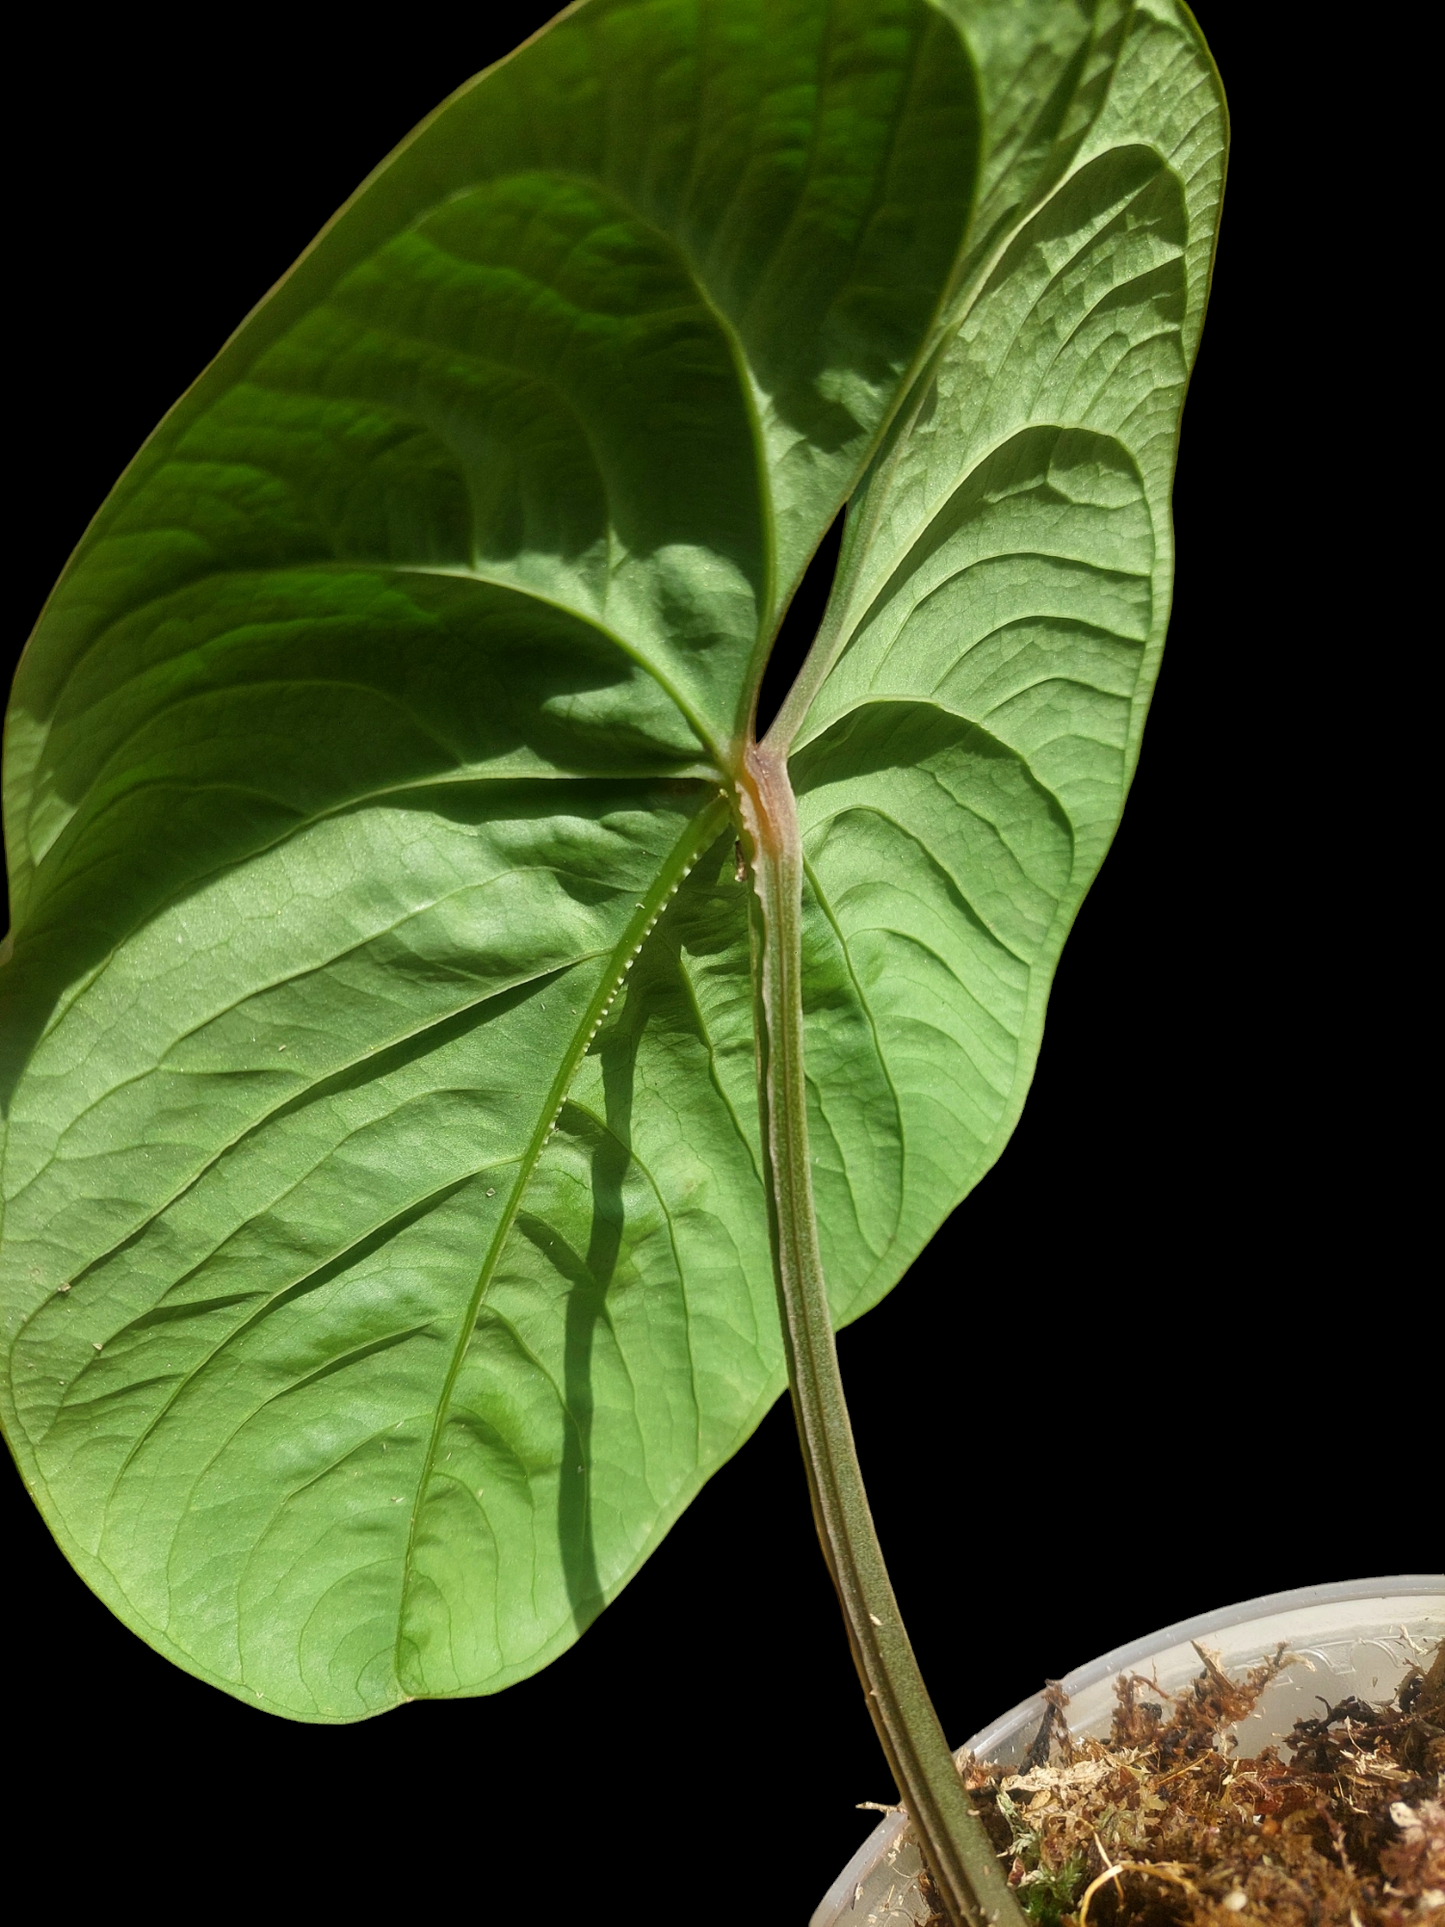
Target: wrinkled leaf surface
point(385, 1259)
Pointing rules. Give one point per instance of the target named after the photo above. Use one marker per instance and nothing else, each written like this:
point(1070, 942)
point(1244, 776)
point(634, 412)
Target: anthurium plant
point(456, 1070)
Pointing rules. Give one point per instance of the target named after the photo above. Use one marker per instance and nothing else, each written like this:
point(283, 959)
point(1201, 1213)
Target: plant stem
point(960, 1858)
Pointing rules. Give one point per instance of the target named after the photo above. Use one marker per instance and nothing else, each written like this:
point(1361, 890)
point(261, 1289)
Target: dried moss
point(1160, 1826)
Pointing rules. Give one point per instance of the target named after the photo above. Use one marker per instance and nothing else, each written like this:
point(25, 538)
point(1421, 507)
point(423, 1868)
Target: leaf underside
point(385, 1256)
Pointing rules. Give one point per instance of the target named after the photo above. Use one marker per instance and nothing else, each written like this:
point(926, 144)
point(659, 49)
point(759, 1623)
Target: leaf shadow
point(589, 1277)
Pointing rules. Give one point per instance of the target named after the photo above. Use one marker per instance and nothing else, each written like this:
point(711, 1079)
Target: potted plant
point(1343, 1648)
point(437, 1020)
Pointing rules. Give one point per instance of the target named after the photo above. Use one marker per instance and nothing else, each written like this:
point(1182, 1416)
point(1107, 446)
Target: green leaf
point(963, 743)
point(385, 1258)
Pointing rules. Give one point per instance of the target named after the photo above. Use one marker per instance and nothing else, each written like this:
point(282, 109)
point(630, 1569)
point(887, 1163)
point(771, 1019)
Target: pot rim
point(1117, 1660)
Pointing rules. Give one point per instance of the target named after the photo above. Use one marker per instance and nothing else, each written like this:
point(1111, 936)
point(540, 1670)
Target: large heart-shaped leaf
point(386, 1260)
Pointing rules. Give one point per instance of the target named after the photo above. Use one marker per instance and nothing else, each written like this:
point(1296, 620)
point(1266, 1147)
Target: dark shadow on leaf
point(588, 1279)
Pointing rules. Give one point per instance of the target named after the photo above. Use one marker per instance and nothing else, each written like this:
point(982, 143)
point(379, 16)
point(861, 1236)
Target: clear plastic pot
point(1355, 1637)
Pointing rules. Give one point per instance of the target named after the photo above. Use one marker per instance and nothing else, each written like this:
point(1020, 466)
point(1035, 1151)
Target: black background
point(1134, 1377)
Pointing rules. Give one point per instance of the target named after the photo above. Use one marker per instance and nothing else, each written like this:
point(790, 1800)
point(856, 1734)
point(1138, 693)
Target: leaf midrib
point(685, 851)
